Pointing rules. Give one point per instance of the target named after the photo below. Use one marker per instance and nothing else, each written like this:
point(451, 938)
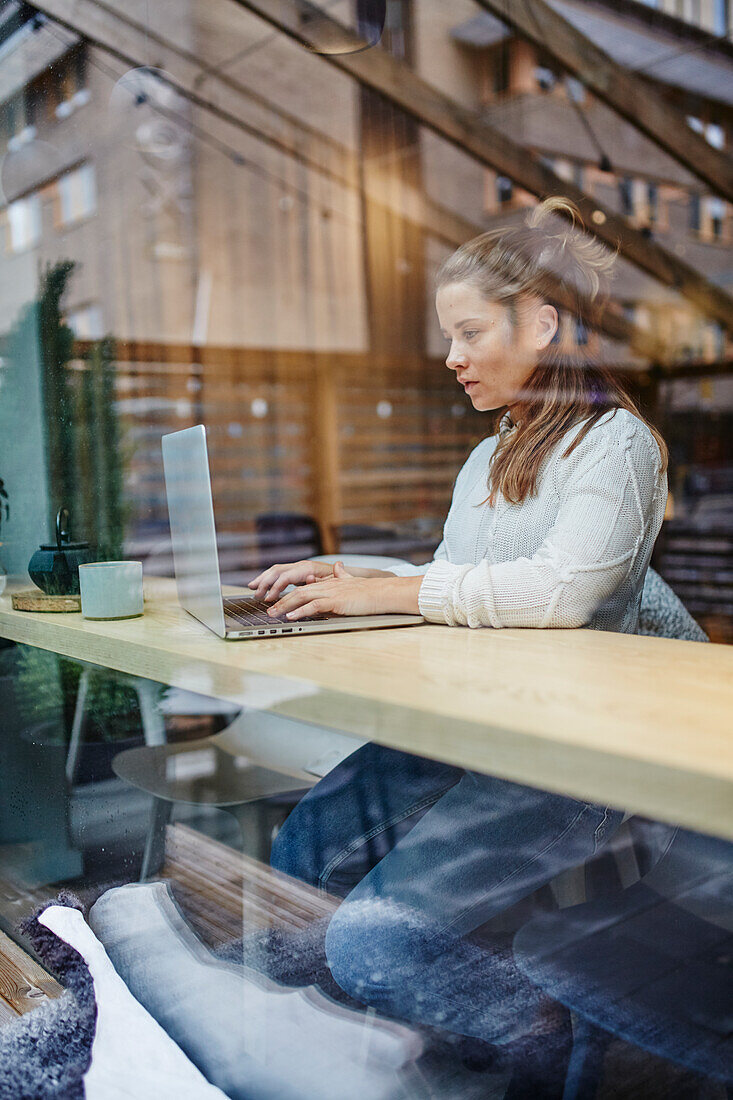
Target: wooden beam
point(465, 129)
point(631, 96)
point(128, 41)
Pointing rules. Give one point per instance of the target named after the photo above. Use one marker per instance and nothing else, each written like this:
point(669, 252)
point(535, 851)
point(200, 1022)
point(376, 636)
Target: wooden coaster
point(32, 599)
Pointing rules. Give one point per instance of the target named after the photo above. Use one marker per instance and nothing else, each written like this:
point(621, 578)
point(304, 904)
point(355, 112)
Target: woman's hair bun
point(547, 247)
point(568, 251)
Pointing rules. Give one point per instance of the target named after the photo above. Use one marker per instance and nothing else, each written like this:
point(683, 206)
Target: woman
point(552, 524)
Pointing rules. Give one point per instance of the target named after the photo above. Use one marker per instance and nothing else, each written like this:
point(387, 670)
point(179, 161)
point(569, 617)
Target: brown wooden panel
point(7, 1013)
point(321, 449)
point(222, 891)
point(23, 983)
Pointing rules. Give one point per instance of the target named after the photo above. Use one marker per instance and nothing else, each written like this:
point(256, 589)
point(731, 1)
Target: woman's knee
point(376, 951)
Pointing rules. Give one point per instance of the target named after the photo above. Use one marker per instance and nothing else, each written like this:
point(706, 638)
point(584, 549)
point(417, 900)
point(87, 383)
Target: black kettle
point(55, 569)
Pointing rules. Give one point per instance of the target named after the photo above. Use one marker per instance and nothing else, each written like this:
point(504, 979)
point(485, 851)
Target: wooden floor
point(24, 985)
point(224, 893)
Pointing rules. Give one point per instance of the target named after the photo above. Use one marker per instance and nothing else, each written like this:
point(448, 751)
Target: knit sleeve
point(608, 491)
point(478, 459)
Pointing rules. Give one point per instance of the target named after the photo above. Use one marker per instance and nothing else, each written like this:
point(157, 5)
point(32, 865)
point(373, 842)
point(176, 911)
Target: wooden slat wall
point(400, 467)
point(345, 438)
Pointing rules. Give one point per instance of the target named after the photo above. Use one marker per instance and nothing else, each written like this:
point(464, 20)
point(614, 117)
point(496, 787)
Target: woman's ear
point(547, 325)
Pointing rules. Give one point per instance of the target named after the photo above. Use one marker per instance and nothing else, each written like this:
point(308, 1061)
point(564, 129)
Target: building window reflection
point(715, 217)
point(77, 194)
point(86, 322)
point(24, 223)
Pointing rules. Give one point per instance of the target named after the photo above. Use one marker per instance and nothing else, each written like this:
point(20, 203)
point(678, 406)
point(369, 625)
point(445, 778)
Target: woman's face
point(492, 358)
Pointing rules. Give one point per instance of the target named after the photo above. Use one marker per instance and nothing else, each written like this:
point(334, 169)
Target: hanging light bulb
point(326, 36)
point(145, 109)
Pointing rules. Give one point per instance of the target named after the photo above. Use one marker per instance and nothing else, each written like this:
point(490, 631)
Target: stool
point(151, 718)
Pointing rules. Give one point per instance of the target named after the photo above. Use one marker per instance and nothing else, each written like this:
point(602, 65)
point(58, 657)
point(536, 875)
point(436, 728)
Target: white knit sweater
point(573, 555)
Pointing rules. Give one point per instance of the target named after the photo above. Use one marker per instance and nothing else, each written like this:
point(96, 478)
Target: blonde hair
point(526, 261)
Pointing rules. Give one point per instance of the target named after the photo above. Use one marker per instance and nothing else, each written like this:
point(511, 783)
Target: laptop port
point(260, 631)
point(287, 630)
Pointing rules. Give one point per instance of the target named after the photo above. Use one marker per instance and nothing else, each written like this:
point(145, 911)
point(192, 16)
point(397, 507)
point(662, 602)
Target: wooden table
point(641, 723)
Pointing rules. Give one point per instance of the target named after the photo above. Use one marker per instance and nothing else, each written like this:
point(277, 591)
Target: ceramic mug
point(111, 589)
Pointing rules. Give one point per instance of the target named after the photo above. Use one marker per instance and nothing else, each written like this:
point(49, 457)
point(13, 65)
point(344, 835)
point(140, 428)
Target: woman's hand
point(273, 581)
point(344, 594)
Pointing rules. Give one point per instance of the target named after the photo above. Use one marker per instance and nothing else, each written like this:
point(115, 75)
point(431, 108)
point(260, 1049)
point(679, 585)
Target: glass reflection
point(203, 222)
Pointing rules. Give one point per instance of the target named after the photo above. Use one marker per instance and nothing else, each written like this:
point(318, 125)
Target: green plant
point(56, 345)
point(99, 453)
point(85, 458)
point(85, 450)
point(4, 504)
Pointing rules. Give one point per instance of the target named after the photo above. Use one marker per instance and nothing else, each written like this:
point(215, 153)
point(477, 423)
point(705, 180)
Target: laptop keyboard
point(247, 612)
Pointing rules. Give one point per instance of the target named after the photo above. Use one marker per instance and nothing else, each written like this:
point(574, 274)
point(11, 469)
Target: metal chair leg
point(624, 854)
point(586, 1060)
point(152, 719)
point(569, 887)
point(72, 757)
point(539, 1066)
point(154, 852)
point(253, 821)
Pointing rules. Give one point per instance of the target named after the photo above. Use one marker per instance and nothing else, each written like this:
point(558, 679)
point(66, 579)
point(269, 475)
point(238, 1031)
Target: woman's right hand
point(270, 584)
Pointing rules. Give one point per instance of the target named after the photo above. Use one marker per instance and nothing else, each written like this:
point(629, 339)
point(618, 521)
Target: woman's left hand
point(344, 594)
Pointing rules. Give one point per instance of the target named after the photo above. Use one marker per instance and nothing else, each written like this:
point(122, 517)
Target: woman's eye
point(469, 335)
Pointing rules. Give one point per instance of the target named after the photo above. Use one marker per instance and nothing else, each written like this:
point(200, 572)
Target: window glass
point(77, 194)
point(86, 322)
point(575, 89)
point(366, 551)
point(694, 211)
point(504, 189)
point(24, 223)
point(721, 15)
point(715, 134)
point(715, 215)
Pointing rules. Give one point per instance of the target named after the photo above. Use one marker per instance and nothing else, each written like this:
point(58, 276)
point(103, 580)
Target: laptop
point(196, 557)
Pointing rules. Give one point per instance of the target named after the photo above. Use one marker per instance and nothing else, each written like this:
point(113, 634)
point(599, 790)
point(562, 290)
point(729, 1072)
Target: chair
point(151, 718)
point(638, 843)
point(256, 769)
point(640, 846)
point(288, 536)
point(204, 773)
point(653, 966)
point(283, 759)
point(663, 615)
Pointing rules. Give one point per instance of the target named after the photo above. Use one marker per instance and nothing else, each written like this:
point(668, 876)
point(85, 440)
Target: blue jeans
point(424, 854)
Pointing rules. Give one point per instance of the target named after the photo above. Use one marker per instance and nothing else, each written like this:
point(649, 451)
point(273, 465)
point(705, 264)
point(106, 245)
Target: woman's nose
point(454, 358)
